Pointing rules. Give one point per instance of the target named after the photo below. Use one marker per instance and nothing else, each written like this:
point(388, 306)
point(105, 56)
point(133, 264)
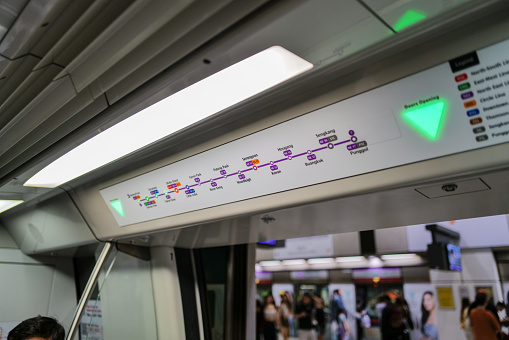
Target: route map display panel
point(457, 106)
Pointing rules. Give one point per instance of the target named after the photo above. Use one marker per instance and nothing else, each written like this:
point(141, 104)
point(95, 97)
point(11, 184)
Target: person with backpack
point(392, 326)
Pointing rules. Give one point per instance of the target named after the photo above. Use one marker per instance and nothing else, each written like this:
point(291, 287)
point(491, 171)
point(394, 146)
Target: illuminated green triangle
point(427, 118)
point(408, 19)
point(117, 205)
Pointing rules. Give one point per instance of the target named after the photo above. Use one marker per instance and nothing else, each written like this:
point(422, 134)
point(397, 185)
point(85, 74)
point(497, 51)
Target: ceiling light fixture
point(182, 109)
point(7, 204)
point(350, 259)
point(270, 263)
point(399, 257)
point(321, 260)
point(294, 262)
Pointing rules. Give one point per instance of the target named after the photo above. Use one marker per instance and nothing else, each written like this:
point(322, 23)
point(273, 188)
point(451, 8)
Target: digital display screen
point(454, 257)
point(270, 243)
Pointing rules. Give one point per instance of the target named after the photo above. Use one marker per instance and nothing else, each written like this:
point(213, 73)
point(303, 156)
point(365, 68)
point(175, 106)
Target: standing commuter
point(284, 315)
point(304, 313)
point(465, 320)
point(320, 316)
point(38, 328)
point(484, 324)
point(269, 318)
point(393, 325)
point(502, 316)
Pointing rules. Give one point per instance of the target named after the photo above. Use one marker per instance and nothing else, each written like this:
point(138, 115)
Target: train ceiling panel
point(70, 69)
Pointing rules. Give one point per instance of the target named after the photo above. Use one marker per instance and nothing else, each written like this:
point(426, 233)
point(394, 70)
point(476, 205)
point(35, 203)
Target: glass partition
point(122, 305)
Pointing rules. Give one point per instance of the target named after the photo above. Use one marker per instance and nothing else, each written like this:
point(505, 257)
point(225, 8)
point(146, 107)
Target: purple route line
point(346, 141)
point(249, 169)
point(315, 150)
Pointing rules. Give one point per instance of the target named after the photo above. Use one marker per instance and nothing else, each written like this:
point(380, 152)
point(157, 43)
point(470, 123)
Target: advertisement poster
point(445, 298)
point(422, 302)
point(91, 327)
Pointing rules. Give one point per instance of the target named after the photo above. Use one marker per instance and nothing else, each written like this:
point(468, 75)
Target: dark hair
point(424, 311)
point(267, 298)
point(40, 326)
point(480, 300)
point(465, 303)
point(335, 291)
point(501, 304)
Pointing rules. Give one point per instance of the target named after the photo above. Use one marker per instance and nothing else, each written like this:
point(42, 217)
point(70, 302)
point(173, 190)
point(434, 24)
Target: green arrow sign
point(117, 205)
point(427, 118)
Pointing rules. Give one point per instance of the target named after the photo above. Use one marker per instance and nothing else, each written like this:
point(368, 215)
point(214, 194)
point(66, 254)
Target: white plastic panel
point(362, 134)
point(134, 26)
point(36, 286)
point(54, 224)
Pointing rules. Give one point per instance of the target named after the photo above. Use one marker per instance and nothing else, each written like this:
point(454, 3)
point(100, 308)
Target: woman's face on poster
point(429, 302)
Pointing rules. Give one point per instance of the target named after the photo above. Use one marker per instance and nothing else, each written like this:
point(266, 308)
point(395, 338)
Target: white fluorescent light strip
point(194, 103)
point(399, 257)
point(321, 260)
point(7, 204)
point(293, 262)
point(350, 259)
point(270, 263)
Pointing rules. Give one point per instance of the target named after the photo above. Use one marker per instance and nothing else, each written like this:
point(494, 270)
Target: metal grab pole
point(88, 290)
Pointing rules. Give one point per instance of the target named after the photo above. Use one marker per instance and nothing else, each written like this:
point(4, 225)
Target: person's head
point(269, 299)
point(481, 299)
point(384, 298)
point(500, 306)
point(283, 296)
point(38, 328)
point(306, 298)
point(335, 292)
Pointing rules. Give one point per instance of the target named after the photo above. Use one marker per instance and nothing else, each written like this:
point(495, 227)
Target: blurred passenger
point(490, 306)
point(381, 302)
point(343, 331)
point(465, 320)
point(304, 313)
point(392, 326)
point(336, 305)
point(484, 324)
point(407, 315)
point(360, 312)
point(269, 318)
point(285, 315)
point(320, 316)
point(502, 316)
point(429, 326)
point(38, 328)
